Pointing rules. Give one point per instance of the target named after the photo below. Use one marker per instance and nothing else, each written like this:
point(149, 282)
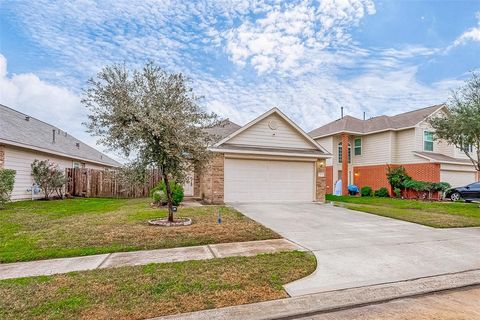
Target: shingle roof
point(355, 125)
point(223, 129)
point(15, 128)
point(441, 157)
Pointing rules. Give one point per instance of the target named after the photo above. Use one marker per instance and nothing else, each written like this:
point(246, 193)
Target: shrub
point(366, 191)
point(397, 177)
point(159, 193)
point(7, 181)
point(398, 192)
point(48, 176)
point(382, 193)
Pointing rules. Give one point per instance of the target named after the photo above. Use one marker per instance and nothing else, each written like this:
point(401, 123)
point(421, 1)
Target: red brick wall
point(329, 179)
point(375, 176)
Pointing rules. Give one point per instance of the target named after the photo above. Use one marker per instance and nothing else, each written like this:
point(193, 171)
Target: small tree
point(152, 116)
point(48, 176)
point(7, 181)
point(461, 127)
point(397, 176)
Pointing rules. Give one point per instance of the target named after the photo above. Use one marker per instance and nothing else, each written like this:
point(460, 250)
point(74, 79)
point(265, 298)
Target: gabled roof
point(438, 157)
point(321, 150)
point(354, 125)
point(223, 129)
point(21, 130)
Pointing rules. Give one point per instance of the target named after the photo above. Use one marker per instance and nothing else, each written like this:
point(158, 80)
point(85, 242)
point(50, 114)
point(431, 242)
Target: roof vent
point(53, 136)
point(77, 145)
point(27, 118)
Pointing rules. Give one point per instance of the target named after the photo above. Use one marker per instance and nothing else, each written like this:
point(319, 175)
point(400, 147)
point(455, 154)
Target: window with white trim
point(357, 146)
point(340, 153)
point(427, 141)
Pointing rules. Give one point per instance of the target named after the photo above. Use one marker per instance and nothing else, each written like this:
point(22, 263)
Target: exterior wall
point(328, 144)
point(260, 134)
point(320, 180)
point(376, 148)
point(375, 176)
point(211, 181)
point(329, 180)
point(20, 160)
point(2, 156)
point(405, 144)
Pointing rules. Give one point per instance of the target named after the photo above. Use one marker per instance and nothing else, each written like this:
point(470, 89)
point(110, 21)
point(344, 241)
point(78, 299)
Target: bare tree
point(152, 116)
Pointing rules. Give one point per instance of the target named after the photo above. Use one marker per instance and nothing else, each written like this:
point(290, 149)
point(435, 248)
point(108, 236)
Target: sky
point(308, 58)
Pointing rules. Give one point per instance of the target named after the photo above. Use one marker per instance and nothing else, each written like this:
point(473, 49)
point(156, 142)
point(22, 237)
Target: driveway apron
point(355, 249)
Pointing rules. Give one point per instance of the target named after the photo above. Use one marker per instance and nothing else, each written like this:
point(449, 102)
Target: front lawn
point(433, 214)
point(153, 290)
point(31, 230)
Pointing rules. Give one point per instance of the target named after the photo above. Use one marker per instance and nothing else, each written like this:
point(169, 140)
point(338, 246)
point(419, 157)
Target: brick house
point(268, 159)
point(24, 139)
point(362, 149)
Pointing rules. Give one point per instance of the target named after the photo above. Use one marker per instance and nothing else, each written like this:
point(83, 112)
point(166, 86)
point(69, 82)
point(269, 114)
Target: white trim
point(270, 153)
point(26, 146)
point(263, 116)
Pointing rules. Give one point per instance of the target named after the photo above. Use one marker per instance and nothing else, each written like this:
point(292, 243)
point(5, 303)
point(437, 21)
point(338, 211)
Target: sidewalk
point(120, 259)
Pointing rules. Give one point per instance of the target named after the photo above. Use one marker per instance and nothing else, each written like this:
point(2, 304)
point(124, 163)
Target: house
point(269, 159)
point(362, 150)
point(24, 139)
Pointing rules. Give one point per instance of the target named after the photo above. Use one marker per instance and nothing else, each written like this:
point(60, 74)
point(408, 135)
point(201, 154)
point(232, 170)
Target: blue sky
point(306, 57)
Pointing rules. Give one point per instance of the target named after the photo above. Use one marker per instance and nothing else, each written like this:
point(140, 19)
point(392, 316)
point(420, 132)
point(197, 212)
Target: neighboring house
point(362, 150)
point(24, 139)
point(268, 159)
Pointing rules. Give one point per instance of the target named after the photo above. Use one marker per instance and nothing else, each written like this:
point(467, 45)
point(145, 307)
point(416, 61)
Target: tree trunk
point(169, 195)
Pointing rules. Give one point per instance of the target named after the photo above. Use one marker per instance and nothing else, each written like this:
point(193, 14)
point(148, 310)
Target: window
point(76, 165)
point(340, 153)
point(427, 141)
point(357, 145)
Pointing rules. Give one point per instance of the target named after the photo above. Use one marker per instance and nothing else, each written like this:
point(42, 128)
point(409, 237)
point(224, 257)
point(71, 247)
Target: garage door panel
point(457, 178)
point(268, 180)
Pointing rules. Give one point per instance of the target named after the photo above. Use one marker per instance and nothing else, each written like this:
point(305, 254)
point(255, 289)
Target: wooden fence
point(105, 184)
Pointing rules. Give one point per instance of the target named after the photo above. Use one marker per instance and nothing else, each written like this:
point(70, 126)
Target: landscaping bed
point(32, 230)
point(155, 289)
point(434, 214)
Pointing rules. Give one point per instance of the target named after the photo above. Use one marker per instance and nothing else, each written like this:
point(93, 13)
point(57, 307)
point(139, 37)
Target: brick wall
point(2, 156)
point(329, 180)
point(320, 180)
point(211, 181)
point(375, 176)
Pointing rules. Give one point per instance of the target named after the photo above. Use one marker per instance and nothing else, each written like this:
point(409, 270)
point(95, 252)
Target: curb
point(309, 305)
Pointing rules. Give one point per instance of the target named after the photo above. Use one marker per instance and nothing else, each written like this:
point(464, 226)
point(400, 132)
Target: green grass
point(434, 214)
point(155, 289)
point(32, 230)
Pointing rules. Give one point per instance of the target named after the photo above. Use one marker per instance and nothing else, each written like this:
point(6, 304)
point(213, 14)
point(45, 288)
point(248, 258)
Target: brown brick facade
point(211, 181)
point(320, 180)
point(329, 180)
point(375, 176)
point(2, 157)
point(345, 141)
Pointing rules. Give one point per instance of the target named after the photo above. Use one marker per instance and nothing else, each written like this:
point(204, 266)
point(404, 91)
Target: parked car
point(468, 193)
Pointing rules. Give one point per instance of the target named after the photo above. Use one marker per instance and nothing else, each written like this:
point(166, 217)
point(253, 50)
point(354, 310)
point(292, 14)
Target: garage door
point(457, 178)
point(267, 180)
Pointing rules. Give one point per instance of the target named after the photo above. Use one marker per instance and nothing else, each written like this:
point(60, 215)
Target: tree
point(152, 116)
point(397, 176)
point(461, 127)
point(48, 176)
point(7, 181)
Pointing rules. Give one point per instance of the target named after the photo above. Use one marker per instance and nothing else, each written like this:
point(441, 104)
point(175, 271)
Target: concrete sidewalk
point(120, 259)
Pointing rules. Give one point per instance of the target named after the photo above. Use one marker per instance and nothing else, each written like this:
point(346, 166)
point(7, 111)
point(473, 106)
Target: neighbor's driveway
point(357, 249)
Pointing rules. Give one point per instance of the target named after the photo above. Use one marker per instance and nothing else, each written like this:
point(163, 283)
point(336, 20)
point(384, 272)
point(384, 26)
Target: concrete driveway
point(356, 249)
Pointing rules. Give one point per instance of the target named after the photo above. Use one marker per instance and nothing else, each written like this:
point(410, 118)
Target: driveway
point(356, 249)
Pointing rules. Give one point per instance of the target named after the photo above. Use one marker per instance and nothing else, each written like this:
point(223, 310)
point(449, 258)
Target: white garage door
point(266, 180)
point(457, 178)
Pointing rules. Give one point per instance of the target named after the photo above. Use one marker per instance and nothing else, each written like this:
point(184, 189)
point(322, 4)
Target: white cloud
point(50, 103)
point(473, 34)
point(279, 40)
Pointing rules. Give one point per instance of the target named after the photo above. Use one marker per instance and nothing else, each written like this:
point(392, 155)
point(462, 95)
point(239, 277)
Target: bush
point(397, 177)
point(398, 192)
point(382, 193)
point(7, 181)
point(48, 176)
point(366, 191)
point(159, 193)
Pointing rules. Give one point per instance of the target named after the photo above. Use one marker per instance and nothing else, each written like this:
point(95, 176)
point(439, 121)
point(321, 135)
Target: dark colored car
point(468, 193)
